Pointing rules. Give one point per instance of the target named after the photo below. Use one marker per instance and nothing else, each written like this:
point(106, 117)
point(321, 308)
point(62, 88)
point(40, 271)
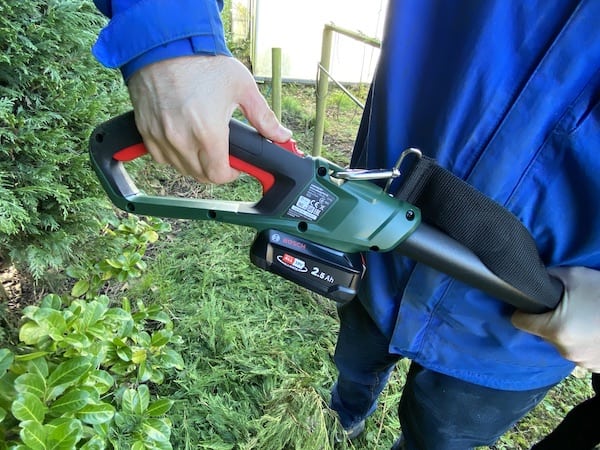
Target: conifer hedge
point(52, 94)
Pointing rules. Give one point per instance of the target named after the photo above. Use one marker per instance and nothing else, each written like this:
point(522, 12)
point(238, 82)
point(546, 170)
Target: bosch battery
point(328, 272)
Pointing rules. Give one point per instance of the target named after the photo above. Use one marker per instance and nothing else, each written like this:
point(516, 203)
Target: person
point(505, 94)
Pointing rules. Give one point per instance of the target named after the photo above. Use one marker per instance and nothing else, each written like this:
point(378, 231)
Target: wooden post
point(276, 82)
point(322, 89)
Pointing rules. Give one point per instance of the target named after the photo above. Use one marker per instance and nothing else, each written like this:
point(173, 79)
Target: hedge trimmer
point(315, 219)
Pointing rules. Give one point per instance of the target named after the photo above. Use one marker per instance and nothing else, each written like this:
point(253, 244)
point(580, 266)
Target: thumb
point(257, 111)
point(538, 324)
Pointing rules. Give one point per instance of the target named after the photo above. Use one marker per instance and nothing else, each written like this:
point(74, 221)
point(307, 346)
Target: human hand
point(183, 107)
point(574, 326)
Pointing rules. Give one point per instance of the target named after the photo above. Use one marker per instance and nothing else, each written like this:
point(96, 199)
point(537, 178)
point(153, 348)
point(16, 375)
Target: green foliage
point(132, 236)
point(81, 375)
point(52, 93)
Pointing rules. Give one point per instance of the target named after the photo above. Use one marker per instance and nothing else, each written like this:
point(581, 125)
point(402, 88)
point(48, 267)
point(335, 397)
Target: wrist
point(183, 47)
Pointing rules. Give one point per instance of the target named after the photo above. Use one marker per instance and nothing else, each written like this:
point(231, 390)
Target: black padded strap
point(488, 229)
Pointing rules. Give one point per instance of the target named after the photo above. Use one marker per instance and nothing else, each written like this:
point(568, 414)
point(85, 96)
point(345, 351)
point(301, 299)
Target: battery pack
point(328, 272)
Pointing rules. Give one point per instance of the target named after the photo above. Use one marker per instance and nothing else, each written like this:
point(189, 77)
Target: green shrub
point(81, 375)
point(52, 93)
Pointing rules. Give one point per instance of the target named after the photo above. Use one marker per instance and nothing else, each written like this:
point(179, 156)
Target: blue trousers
point(437, 412)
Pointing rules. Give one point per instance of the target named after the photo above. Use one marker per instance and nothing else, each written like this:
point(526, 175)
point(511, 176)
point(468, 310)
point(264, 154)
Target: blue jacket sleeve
point(141, 32)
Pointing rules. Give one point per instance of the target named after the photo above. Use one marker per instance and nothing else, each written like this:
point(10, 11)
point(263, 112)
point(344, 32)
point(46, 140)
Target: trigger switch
point(291, 147)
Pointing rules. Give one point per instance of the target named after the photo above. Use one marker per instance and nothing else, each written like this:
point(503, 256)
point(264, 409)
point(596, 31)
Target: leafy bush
point(131, 236)
point(82, 373)
point(52, 93)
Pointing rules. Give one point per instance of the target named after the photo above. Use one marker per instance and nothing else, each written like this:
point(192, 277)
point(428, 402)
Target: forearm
point(142, 32)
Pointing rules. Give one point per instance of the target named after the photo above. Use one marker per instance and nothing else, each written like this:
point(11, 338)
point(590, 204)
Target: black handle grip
point(279, 171)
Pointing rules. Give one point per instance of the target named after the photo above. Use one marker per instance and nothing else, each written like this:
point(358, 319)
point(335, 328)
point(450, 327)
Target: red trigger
point(291, 147)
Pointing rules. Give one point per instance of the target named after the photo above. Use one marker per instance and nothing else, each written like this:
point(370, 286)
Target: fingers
point(257, 111)
point(574, 326)
point(538, 324)
point(183, 107)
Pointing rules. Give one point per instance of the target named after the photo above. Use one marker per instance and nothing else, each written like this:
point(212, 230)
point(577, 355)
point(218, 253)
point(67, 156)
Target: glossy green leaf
point(102, 429)
point(33, 356)
point(161, 337)
point(136, 401)
point(77, 340)
point(52, 301)
point(138, 445)
point(156, 430)
point(159, 407)
point(28, 407)
point(103, 381)
point(144, 372)
point(52, 319)
point(171, 359)
point(69, 371)
point(70, 402)
point(80, 288)
point(6, 359)
point(124, 353)
point(65, 435)
point(138, 355)
point(31, 333)
point(149, 236)
point(33, 435)
point(38, 365)
point(144, 395)
point(93, 313)
point(95, 443)
point(157, 376)
point(7, 386)
point(96, 414)
point(33, 383)
point(143, 339)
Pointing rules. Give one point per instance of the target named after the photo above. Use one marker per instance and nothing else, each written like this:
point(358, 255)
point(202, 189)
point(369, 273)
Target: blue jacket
point(505, 94)
point(141, 32)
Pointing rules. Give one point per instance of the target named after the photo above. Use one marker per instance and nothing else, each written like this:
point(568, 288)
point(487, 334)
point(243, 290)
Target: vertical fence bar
point(322, 88)
point(276, 81)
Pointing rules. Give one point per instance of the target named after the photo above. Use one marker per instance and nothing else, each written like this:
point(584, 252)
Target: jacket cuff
point(152, 30)
point(184, 47)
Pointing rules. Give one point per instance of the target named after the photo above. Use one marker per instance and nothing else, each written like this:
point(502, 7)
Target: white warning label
point(312, 203)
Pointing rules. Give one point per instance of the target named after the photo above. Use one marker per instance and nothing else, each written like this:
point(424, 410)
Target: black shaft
point(439, 251)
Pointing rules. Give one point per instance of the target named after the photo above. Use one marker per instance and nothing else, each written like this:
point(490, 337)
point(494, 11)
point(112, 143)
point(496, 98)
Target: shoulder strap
point(489, 230)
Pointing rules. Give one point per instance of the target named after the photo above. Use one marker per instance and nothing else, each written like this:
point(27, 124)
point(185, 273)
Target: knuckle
point(174, 134)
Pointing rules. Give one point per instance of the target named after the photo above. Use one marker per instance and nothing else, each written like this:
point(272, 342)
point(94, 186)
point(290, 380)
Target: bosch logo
point(293, 243)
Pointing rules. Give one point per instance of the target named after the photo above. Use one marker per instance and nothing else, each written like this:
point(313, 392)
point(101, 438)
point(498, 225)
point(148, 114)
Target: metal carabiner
point(377, 174)
point(365, 174)
point(403, 155)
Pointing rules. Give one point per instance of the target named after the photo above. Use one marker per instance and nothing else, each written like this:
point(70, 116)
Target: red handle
point(266, 179)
